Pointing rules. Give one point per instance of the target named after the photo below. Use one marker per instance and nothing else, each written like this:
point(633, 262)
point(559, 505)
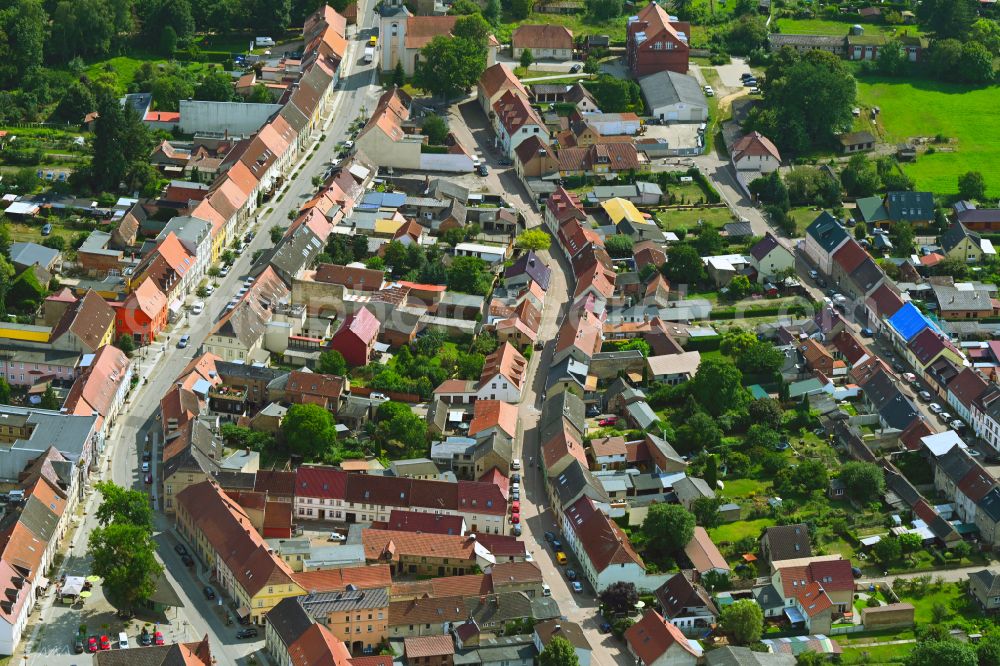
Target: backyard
point(964, 114)
point(835, 28)
point(672, 220)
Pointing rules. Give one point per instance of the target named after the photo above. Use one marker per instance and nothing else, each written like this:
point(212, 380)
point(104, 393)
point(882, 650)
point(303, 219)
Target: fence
point(399, 396)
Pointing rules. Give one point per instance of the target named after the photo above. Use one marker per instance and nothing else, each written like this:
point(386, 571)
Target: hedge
point(706, 343)
point(732, 313)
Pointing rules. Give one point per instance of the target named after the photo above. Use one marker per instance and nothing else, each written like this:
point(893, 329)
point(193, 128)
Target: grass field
point(949, 595)
point(963, 113)
point(735, 531)
point(125, 67)
point(742, 487)
point(671, 220)
point(877, 654)
point(836, 28)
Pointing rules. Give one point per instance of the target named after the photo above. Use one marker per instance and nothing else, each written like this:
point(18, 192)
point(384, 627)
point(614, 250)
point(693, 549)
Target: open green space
point(791, 26)
point(950, 597)
point(740, 488)
point(123, 68)
point(580, 24)
point(672, 220)
point(967, 115)
point(876, 654)
point(740, 529)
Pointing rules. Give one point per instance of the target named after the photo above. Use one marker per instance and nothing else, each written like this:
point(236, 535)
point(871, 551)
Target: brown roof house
point(496, 81)
point(545, 41)
point(655, 642)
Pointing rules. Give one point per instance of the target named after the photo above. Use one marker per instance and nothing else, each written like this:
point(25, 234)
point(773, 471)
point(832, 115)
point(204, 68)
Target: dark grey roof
point(738, 229)
point(565, 404)
point(248, 371)
point(152, 655)
point(39, 518)
point(827, 231)
point(955, 463)
point(990, 505)
point(866, 275)
point(884, 394)
point(667, 88)
point(27, 254)
point(531, 264)
point(742, 656)
point(575, 481)
point(900, 485)
point(493, 442)
point(788, 542)
point(679, 593)
point(988, 580)
point(909, 206)
point(955, 234)
point(289, 620)
point(295, 252)
point(768, 597)
point(319, 605)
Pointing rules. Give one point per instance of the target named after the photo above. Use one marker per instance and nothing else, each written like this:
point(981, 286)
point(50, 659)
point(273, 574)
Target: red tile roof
point(493, 413)
point(605, 543)
point(967, 386)
point(814, 599)
point(850, 255)
point(652, 636)
point(754, 144)
point(320, 482)
point(336, 580)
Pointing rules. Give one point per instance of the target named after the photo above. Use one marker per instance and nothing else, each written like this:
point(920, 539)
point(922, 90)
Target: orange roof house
point(494, 415)
point(100, 388)
point(143, 313)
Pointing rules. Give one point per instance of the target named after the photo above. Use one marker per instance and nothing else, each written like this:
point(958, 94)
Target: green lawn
point(743, 487)
point(803, 216)
point(876, 654)
point(671, 220)
point(743, 528)
point(580, 24)
point(836, 28)
point(949, 595)
point(125, 67)
point(966, 114)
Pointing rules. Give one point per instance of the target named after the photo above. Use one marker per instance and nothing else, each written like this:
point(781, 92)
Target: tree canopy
point(308, 431)
point(807, 99)
point(399, 430)
point(558, 652)
point(123, 505)
point(863, 481)
point(717, 386)
point(667, 528)
point(123, 555)
point(533, 239)
point(743, 621)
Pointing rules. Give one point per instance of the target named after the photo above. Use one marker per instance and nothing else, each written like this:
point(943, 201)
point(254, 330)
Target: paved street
point(48, 641)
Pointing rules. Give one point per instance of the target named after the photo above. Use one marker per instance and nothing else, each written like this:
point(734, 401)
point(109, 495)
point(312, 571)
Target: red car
point(515, 518)
point(158, 638)
point(105, 643)
point(515, 507)
point(608, 421)
point(92, 644)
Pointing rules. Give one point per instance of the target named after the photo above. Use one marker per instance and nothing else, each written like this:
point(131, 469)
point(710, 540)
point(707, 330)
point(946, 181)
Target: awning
point(794, 615)
point(176, 306)
point(243, 612)
point(73, 586)
point(42, 581)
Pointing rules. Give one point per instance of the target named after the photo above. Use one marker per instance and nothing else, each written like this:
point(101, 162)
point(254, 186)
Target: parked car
point(145, 467)
point(375, 395)
point(956, 425)
point(935, 408)
point(517, 532)
point(813, 274)
point(249, 632)
point(924, 395)
point(209, 592)
point(198, 308)
point(515, 464)
point(593, 411)
point(556, 544)
point(605, 627)
point(78, 645)
point(92, 645)
point(224, 271)
point(709, 91)
point(187, 560)
point(336, 536)
point(145, 638)
point(146, 456)
point(910, 377)
point(571, 574)
point(515, 507)
point(105, 643)
point(856, 572)
point(945, 417)
point(180, 549)
point(546, 590)
point(148, 479)
point(516, 477)
point(515, 518)
point(867, 332)
point(577, 587)
point(158, 638)
point(183, 342)
point(575, 68)
point(550, 536)
point(482, 169)
point(515, 495)
point(46, 229)
point(608, 421)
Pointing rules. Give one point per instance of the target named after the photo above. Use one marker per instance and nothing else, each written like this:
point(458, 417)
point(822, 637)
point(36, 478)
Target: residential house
point(527, 268)
point(984, 586)
point(143, 314)
point(785, 542)
point(547, 630)
point(958, 242)
point(293, 637)
point(535, 160)
point(402, 36)
point(502, 377)
point(599, 159)
point(655, 43)
point(690, 489)
point(674, 369)
point(494, 82)
point(219, 531)
point(976, 219)
point(102, 386)
point(561, 207)
point(755, 152)
point(356, 337)
point(514, 121)
point(770, 258)
point(823, 238)
point(195, 653)
point(653, 641)
point(545, 41)
point(429, 650)
point(917, 208)
point(964, 390)
point(605, 553)
point(687, 605)
point(703, 554)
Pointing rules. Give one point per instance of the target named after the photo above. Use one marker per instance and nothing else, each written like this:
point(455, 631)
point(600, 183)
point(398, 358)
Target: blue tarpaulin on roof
point(909, 321)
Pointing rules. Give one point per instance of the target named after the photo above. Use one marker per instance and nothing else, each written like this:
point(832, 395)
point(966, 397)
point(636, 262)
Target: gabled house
point(546, 41)
point(958, 242)
point(606, 555)
point(496, 81)
point(655, 43)
point(143, 313)
point(770, 258)
point(823, 238)
point(503, 375)
point(653, 641)
point(917, 208)
point(755, 152)
point(785, 542)
point(514, 121)
point(687, 605)
point(356, 337)
point(984, 586)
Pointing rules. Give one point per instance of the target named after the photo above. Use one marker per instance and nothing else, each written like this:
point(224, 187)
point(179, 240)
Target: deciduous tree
point(124, 556)
point(308, 431)
point(331, 362)
point(972, 186)
point(864, 481)
point(621, 596)
point(558, 652)
point(717, 386)
point(123, 505)
point(668, 528)
point(743, 621)
point(533, 239)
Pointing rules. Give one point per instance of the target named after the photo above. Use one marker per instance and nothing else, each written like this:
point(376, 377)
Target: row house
point(325, 493)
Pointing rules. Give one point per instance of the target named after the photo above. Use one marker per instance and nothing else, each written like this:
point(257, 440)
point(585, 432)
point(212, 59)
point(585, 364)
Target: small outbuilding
point(674, 97)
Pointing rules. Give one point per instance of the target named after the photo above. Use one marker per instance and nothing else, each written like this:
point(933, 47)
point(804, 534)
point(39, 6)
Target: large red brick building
point(654, 43)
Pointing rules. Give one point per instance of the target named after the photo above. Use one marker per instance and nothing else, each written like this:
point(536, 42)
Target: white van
point(263, 41)
point(546, 590)
point(123, 641)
